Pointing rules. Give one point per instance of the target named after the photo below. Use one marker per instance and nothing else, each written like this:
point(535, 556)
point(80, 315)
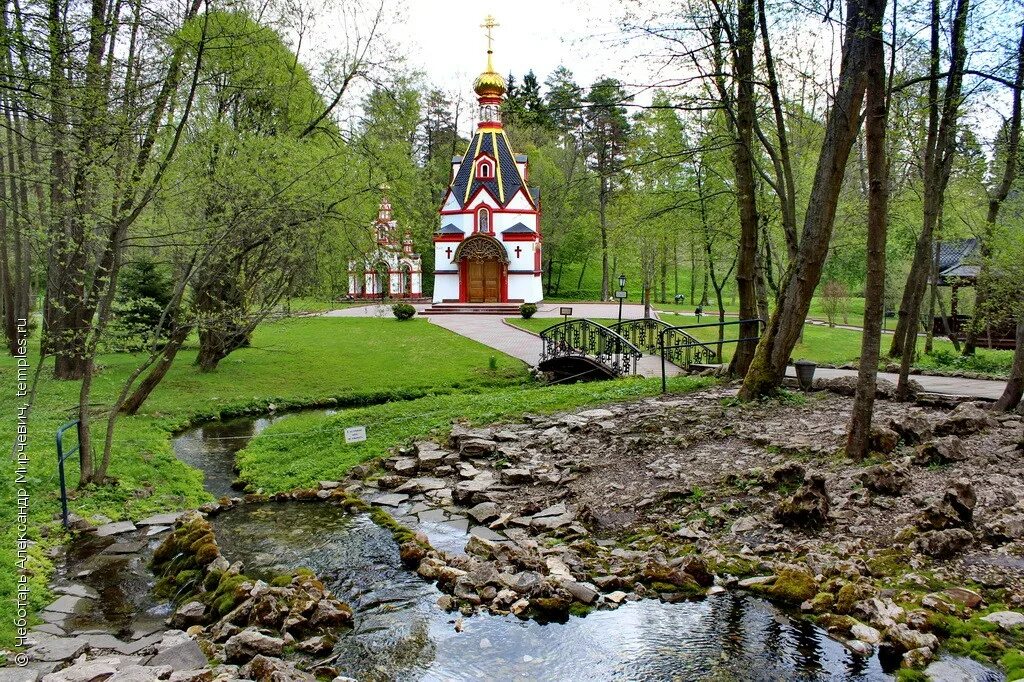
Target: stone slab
point(125, 548)
point(390, 500)
point(77, 590)
point(65, 604)
point(166, 519)
point(15, 674)
point(184, 656)
point(115, 528)
point(59, 649)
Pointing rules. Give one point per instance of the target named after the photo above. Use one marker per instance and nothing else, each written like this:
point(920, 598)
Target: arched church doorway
point(483, 270)
point(382, 277)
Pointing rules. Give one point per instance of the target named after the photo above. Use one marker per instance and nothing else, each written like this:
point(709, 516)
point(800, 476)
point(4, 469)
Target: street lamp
point(621, 294)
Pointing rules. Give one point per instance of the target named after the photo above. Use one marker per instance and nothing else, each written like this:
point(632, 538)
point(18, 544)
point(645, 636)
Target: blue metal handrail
point(688, 345)
point(61, 456)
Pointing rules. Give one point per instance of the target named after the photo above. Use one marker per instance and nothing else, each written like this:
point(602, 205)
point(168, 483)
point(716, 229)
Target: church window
point(483, 220)
point(484, 170)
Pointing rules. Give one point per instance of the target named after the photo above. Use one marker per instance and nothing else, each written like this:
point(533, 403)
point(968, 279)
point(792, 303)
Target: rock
point(264, 668)
point(966, 419)
point(76, 590)
point(581, 592)
point(516, 476)
point(909, 639)
point(555, 516)
point(755, 581)
point(789, 473)
point(912, 427)
point(940, 451)
point(955, 670)
point(477, 447)
point(65, 604)
point(961, 595)
point(524, 582)
point(808, 507)
point(744, 524)
point(390, 500)
point(198, 675)
point(412, 553)
point(793, 585)
point(55, 649)
point(331, 613)
point(115, 528)
point(421, 485)
point(472, 491)
point(317, 645)
point(191, 613)
point(885, 479)
point(484, 512)
point(616, 597)
point(917, 658)
point(955, 509)
point(859, 647)
point(84, 671)
point(404, 466)
point(866, 633)
point(185, 655)
point(481, 547)
point(167, 519)
point(249, 643)
point(16, 674)
point(1006, 620)
point(943, 544)
point(430, 458)
point(688, 533)
point(883, 439)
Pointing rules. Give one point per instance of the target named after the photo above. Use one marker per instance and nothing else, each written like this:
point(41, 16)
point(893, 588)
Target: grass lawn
point(346, 361)
point(824, 345)
point(306, 448)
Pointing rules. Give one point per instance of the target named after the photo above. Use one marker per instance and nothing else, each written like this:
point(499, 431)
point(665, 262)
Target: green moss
point(888, 563)
point(400, 533)
point(1013, 663)
point(975, 638)
point(823, 602)
point(282, 580)
point(909, 675)
point(793, 586)
point(848, 595)
point(579, 609)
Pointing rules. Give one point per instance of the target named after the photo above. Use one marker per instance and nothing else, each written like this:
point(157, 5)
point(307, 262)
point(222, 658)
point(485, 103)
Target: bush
point(403, 311)
point(527, 310)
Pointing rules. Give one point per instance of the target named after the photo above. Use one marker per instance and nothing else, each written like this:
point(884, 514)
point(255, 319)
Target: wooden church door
point(484, 280)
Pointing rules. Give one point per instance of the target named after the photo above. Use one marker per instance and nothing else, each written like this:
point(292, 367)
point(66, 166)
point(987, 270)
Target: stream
point(400, 633)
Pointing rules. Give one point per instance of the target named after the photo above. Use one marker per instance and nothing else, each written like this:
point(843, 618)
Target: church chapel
point(488, 246)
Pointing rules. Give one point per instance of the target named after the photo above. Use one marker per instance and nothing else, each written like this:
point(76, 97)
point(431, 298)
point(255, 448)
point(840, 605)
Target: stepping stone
point(124, 548)
point(65, 604)
point(460, 524)
point(1007, 620)
point(115, 528)
point(16, 674)
point(421, 485)
point(50, 629)
point(420, 507)
point(156, 530)
point(553, 510)
point(390, 500)
point(432, 516)
point(108, 641)
point(484, 512)
point(59, 649)
point(76, 590)
point(486, 534)
point(54, 617)
point(167, 519)
point(184, 656)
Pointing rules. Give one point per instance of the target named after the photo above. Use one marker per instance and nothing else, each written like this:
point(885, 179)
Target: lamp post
point(621, 294)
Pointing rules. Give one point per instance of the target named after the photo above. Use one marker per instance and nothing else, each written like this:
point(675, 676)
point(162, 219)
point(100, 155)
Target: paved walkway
point(492, 331)
point(976, 388)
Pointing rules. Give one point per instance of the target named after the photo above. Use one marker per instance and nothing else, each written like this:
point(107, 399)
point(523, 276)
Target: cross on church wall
point(448, 252)
point(519, 251)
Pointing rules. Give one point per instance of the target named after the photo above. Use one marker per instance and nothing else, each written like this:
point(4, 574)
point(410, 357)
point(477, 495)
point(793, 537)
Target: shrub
point(527, 310)
point(403, 311)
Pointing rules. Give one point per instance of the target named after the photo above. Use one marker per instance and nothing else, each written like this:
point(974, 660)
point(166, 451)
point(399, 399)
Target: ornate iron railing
point(681, 348)
point(666, 349)
point(586, 338)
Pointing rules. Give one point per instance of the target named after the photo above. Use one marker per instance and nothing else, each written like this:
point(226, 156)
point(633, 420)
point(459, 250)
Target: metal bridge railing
point(681, 348)
point(685, 347)
point(61, 456)
point(586, 338)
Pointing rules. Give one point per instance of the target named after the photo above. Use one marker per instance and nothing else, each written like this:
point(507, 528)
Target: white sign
point(620, 294)
point(355, 434)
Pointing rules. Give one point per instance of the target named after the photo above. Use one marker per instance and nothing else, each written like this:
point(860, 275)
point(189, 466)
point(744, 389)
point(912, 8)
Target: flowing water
point(400, 633)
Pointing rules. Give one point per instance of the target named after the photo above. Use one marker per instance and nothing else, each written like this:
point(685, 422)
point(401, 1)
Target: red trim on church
point(449, 238)
point(519, 237)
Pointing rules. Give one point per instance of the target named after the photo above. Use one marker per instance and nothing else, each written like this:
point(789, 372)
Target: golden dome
point(489, 84)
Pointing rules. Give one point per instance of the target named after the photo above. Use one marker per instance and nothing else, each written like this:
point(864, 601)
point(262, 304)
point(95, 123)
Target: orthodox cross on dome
point(489, 24)
point(489, 85)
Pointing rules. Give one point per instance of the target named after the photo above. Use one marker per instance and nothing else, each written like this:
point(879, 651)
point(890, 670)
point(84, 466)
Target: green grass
point(306, 448)
point(821, 344)
point(298, 361)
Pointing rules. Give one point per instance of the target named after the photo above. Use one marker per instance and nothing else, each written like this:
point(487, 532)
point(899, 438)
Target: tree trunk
point(743, 163)
point(157, 373)
point(602, 214)
point(786, 323)
point(859, 437)
point(1015, 383)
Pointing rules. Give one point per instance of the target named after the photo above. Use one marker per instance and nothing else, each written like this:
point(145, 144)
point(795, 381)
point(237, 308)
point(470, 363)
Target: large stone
point(484, 512)
point(198, 675)
point(944, 450)
point(581, 592)
point(331, 613)
point(964, 420)
point(912, 427)
point(54, 649)
point(908, 639)
point(185, 655)
point(477, 447)
point(16, 674)
point(76, 590)
point(264, 668)
point(472, 491)
point(865, 633)
point(65, 604)
point(192, 613)
point(955, 509)
point(885, 479)
point(516, 476)
point(250, 643)
point(883, 439)
point(166, 519)
point(1006, 620)
point(808, 507)
point(430, 458)
point(115, 528)
point(84, 671)
point(524, 582)
point(421, 485)
point(943, 544)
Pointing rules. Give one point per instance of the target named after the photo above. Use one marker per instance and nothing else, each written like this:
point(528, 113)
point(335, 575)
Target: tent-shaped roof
point(506, 181)
point(958, 259)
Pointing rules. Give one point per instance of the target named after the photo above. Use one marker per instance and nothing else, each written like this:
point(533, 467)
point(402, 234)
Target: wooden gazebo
point(958, 267)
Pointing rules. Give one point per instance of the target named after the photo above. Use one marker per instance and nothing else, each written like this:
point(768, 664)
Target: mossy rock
point(834, 622)
point(889, 563)
point(823, 602)
point(848, 595)
point(793, 586)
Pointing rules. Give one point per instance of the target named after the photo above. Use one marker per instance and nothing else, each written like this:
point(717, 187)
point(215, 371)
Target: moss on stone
point(910, 675)
point(834, 622)
point(889, 563)
point(580, 609)
point(848, 595)
point(793, 586)
point(823, 602)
